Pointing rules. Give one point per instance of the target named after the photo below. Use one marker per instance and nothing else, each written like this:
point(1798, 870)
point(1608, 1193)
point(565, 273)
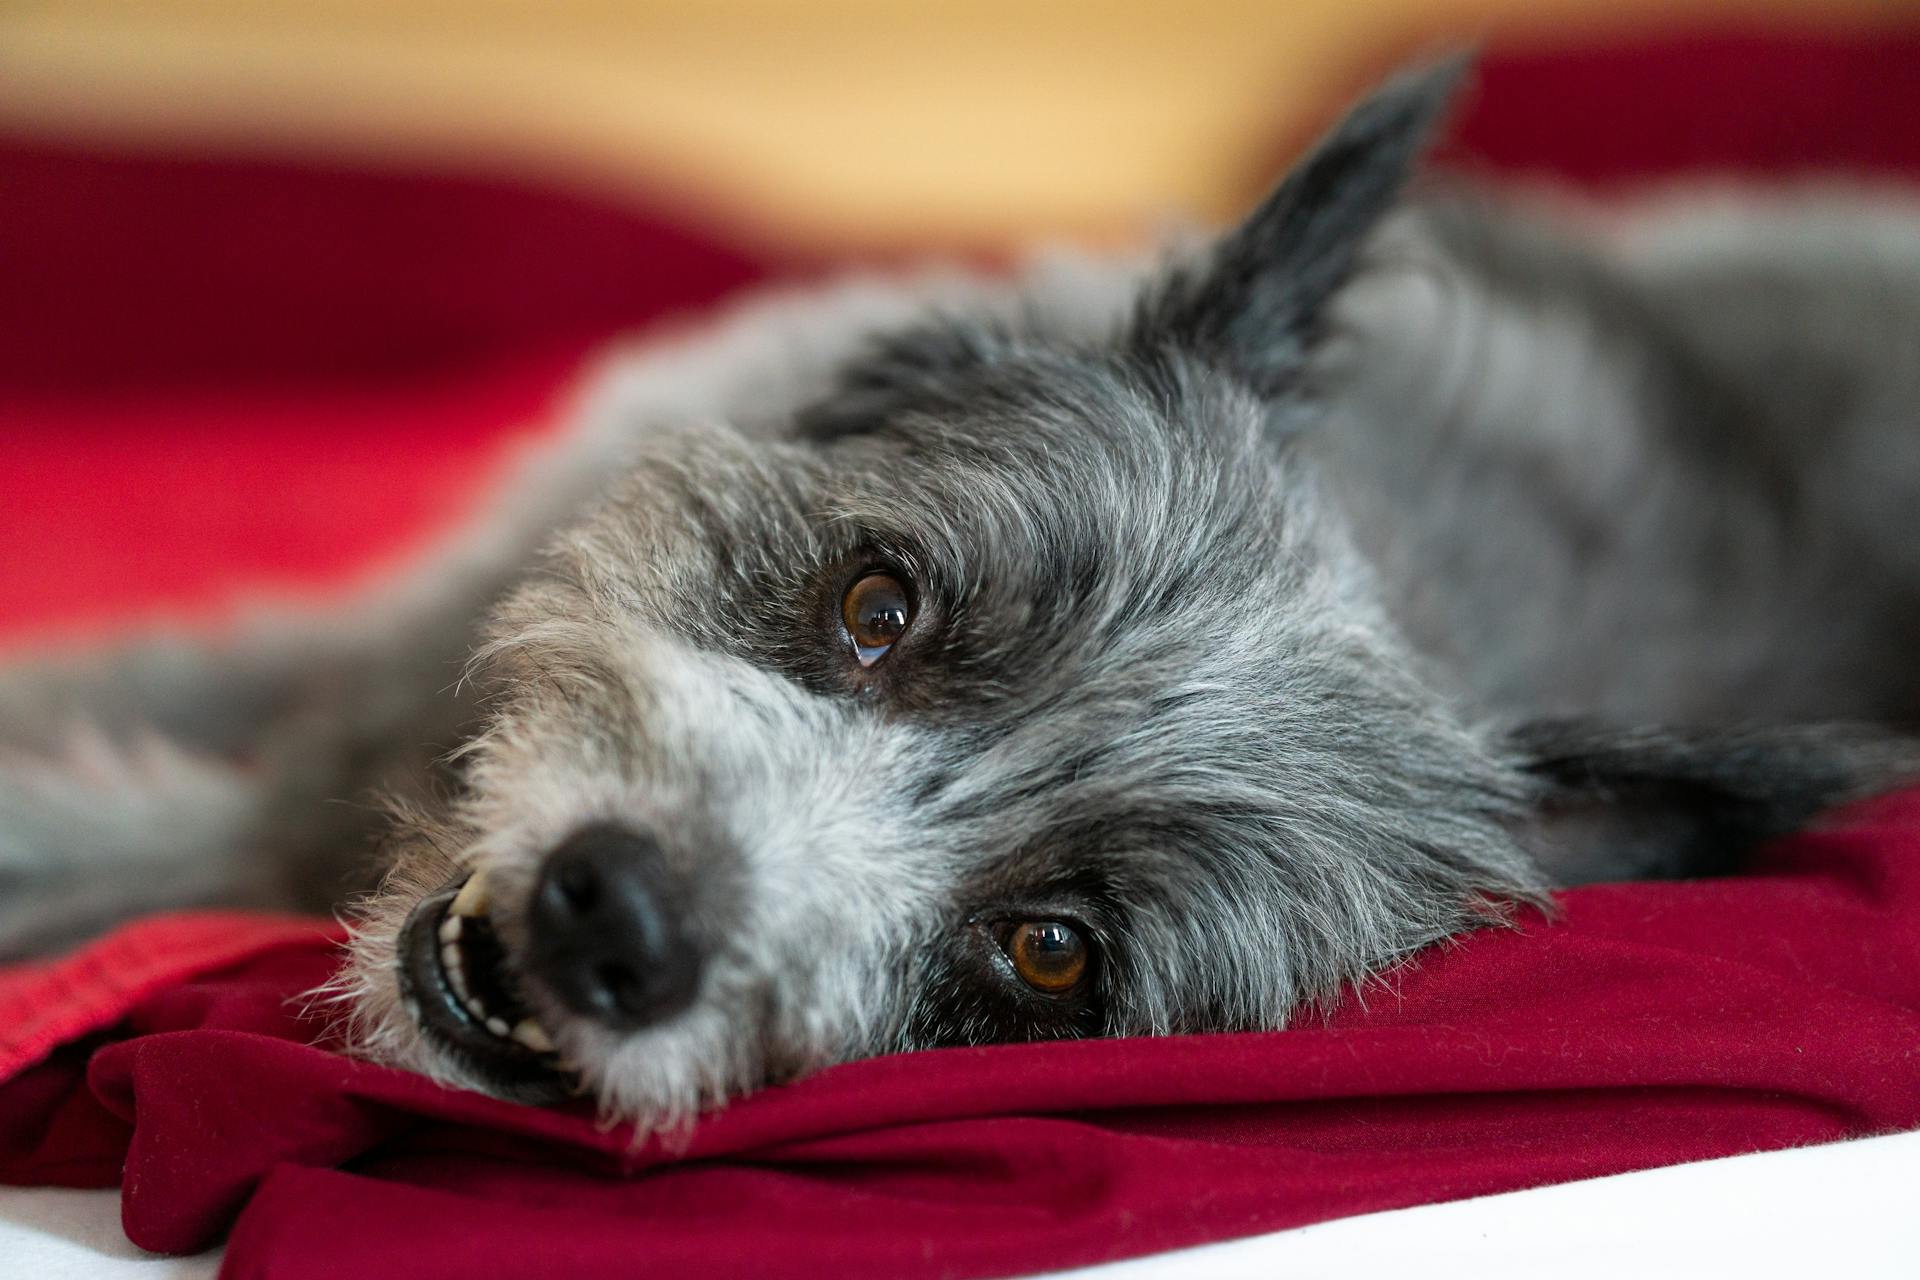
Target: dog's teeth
point(478, 1010)
point(498, 1026)
point(529, 1033)
point(472, 898)
point(450, 929)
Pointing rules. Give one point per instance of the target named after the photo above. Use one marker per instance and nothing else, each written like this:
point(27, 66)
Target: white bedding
point(1851, 1209)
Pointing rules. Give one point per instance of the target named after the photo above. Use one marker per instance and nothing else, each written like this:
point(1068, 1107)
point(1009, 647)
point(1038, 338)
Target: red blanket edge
point(44, 1006)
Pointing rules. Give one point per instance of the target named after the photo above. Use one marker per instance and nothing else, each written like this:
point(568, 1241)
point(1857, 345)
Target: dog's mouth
point(458, 987)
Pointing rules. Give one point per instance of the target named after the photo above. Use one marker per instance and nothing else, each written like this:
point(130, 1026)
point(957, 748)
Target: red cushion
point(224, 372)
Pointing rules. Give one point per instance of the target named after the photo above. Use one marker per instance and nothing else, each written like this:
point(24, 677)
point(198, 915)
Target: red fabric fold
point(46, 1005)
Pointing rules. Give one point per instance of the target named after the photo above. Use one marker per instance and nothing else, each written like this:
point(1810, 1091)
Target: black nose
point(607, 930)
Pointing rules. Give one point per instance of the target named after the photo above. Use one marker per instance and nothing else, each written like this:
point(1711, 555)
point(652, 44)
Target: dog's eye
point(1049, 956)
point(876, 612)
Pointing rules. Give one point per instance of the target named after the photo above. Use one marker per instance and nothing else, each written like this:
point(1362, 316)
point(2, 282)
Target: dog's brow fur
point(1280, 609)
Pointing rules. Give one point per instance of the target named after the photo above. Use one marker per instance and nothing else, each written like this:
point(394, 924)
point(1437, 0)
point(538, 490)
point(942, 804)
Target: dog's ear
point(1616, 804)
point(1253, 303)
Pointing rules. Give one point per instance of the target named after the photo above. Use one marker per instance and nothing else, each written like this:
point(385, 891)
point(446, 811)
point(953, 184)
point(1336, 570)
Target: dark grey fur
point(1281, 610)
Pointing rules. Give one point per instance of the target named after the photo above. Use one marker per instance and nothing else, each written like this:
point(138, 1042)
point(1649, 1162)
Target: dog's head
point(1022, 689)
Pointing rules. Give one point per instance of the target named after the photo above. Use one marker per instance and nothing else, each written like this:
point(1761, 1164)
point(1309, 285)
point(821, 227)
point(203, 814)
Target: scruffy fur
point(1283, 607)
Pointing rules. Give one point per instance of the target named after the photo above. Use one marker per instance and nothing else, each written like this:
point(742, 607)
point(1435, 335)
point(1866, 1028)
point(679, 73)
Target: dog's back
point(1662, 471)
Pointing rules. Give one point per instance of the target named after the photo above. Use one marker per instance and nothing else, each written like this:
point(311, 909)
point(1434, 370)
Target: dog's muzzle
point(606, 938)
point(463, 996)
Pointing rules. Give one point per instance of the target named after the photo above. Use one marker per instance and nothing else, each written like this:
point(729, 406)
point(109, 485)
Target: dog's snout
point(607, 930)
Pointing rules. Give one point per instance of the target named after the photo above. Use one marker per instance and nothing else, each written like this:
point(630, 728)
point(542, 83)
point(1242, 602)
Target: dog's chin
point(456, 986)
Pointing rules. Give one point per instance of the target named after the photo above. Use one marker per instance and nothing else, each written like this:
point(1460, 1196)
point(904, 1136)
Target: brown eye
point(876, 613)
point(1049, 956)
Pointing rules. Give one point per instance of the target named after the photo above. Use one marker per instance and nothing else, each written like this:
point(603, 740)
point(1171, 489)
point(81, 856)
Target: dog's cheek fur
point(1312, 818)
point(423, 852)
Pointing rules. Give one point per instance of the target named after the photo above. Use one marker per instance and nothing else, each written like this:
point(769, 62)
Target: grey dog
point(1110, 648)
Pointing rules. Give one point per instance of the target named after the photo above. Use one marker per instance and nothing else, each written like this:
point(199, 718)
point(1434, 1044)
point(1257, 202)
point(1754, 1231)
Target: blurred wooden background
point(823, 123)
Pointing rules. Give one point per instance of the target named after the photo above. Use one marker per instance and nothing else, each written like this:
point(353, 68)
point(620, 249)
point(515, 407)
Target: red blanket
point(170, 304)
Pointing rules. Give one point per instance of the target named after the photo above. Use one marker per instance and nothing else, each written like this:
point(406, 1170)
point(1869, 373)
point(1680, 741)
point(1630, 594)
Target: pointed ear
point(1253, 304)
point(1615, 804)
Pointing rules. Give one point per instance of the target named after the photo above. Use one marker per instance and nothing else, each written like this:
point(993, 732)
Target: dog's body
point(1248, 628)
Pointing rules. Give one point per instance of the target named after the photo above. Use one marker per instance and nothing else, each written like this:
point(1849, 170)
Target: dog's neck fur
point(1582, 499)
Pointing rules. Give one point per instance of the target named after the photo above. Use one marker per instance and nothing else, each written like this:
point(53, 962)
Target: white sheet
point(1851, 1209)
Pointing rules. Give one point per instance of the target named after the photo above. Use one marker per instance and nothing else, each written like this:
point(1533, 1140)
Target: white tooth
point(529, 1033)
point(450, 929)
point(459, 982)
point(498, 1026)
point(450, 958)
point(472, 898)
point(477, 1009)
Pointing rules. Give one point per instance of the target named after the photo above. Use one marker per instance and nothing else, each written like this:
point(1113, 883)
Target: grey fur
point(1272, 626)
